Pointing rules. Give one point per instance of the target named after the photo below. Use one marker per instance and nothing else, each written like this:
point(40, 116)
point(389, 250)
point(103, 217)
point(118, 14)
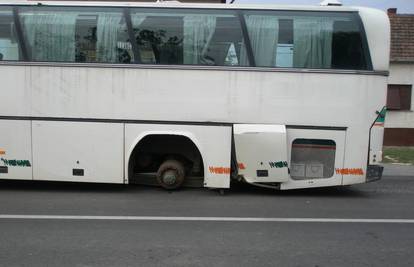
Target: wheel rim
point(169, 177)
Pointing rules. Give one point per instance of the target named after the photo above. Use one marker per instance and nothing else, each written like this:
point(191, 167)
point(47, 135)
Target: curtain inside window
point(136, 20)
point(107, 37)
point(312, 42)
point(198, 32)
point(263, 34)
point(51, 37)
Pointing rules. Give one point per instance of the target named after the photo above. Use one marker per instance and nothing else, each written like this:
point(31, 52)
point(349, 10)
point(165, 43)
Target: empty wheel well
point(153, 150)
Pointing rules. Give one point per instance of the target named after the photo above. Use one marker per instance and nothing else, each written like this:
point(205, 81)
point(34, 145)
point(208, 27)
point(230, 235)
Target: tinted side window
point(189, 37)
point(347, 48)
point(73, 34)
point(145, 36)
point(315, 40)
point(50, 35)
point(9, 47)
point(263, 34)
point(322, 40)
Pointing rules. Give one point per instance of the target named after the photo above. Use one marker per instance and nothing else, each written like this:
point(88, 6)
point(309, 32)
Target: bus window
point(159, 38)
point(9, 48)
point(284, 53)
point(314, 40)
point(263, 34)
point(102, 37)
point(347, 48)
point(74, 35)
point(50, 35)
point(289, 39)
point(227, 42)
point(187, 37)
point(85, 38)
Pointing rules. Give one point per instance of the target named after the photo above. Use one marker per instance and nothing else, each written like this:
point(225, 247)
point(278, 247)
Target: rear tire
point(171, 174)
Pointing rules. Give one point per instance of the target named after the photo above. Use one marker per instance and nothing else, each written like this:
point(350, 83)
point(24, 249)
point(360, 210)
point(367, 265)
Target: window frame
point(238, 13)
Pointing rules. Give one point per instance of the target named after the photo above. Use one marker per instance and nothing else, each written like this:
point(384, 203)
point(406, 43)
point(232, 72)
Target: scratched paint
point(348, 171)
point(16, 162)
point(2, 152)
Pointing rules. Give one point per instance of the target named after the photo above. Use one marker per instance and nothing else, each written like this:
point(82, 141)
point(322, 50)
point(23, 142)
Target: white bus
point(277, 96)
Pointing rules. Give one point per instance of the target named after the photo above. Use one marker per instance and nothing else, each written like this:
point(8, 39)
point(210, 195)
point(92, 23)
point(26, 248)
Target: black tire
point(171, 174)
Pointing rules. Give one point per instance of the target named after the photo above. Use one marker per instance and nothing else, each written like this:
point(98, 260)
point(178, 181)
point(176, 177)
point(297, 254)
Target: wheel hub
point(170, 177)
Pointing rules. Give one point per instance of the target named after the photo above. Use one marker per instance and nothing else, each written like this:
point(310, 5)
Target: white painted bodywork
point(213, 142)
point(16, 145)
point(257, 146)
point(132, 96)
point(59, 147)
point(240, 97)
point(337, 179)
point(377, 137)
point(377, 28)
point(231, 96)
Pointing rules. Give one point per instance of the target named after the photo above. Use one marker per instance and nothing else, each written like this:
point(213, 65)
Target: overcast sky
point(404, 6)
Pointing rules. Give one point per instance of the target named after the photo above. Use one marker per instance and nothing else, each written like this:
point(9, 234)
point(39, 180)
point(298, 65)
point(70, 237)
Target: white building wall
point(401, 73)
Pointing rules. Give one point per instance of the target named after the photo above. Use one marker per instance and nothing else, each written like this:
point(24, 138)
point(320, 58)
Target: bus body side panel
point(261, 152)
point(15, 150)
point(78, 151)
point(376, 144)
point(213, 143)
point(246, 97)
point(284, 98)
point(319, 156)
point(368, 101)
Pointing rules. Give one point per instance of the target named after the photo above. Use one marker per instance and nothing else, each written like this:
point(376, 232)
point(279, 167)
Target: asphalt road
point(107, 242)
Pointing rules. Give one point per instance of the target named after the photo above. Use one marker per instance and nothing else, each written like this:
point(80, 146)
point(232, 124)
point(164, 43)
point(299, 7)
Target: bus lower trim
point(374, 173)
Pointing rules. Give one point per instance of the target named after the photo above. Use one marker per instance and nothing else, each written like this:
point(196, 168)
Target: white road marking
point(201, 219)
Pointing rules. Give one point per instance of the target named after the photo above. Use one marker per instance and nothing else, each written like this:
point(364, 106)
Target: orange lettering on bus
point(219, 170)
point(354, 171)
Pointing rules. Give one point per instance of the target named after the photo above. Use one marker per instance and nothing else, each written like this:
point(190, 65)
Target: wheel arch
point(136, 142)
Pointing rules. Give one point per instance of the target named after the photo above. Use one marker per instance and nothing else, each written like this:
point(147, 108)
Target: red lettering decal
point(219, 170)
point(354, 171)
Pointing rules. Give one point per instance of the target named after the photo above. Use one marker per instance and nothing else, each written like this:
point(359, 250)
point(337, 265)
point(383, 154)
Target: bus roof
point(174, 4)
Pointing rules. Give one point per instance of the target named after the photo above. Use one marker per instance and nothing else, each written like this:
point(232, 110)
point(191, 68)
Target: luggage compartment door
point(261, 152)
point(78, 151)
point(316, 157)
